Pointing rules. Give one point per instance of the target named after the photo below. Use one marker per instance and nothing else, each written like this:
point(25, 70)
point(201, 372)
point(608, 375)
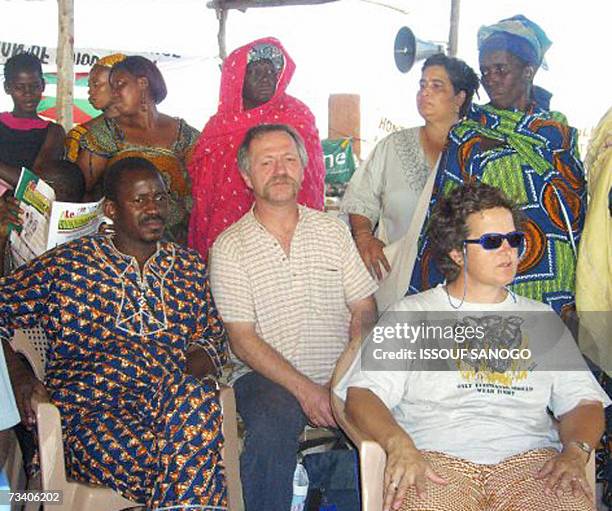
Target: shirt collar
point(302, 214)
point(162, 258)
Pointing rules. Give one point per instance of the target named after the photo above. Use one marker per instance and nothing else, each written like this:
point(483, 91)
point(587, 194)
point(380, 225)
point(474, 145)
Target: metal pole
point(453, 35)
point(65, 63)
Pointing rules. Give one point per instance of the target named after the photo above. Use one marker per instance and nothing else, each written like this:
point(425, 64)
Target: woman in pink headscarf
point(253, 83)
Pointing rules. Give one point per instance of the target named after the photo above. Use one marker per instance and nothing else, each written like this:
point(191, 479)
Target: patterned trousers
point(163, 452)
point(506, 486)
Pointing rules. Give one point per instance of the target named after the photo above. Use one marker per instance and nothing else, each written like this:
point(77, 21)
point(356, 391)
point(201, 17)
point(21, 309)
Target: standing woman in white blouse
point(383, 194)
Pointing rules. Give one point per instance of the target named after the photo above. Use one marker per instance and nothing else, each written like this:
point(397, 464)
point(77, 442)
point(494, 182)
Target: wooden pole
point(222, 17)
point(65, 63)
point(453, 35)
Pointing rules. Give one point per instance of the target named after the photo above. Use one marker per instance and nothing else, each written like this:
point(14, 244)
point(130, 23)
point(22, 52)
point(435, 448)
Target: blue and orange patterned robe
point(536, 164)
point(132, 419)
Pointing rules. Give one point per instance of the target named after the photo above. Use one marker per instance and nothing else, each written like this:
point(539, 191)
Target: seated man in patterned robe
point(135, 342)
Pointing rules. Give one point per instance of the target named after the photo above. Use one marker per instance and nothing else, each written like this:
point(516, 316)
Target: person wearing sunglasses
point(478, 435)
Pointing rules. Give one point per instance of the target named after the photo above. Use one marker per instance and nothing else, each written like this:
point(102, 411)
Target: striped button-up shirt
point(298, 302)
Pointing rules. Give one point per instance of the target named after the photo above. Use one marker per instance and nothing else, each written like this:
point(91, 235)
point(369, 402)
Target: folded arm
point(92, 166)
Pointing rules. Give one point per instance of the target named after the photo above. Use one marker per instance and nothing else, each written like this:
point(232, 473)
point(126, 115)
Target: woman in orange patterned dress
point(141, 130)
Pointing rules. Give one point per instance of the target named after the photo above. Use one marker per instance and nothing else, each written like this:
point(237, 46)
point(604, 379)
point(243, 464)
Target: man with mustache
point(254, 81)
point(135, 344)
point(294, 294)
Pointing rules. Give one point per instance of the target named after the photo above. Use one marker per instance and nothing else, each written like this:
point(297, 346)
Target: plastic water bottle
point(300, 488)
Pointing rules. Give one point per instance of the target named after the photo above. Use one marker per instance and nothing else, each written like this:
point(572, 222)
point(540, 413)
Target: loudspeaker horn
point(407, 49)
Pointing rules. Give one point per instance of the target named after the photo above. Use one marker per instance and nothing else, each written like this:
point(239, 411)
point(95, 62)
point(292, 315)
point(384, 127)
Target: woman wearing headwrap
point(254, 79)
point(529, 153)
point(100, 99)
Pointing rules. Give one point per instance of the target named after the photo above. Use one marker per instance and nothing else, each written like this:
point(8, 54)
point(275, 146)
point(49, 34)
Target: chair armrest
point(372, 459)
point(229, 427)
point(50, 445)
point(22, 344)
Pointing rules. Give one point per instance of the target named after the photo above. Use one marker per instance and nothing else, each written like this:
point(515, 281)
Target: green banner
point(339, 160)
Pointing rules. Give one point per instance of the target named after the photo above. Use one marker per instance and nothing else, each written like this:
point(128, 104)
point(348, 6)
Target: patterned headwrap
point(269, 52)
point(110, 60)
point(517, 35)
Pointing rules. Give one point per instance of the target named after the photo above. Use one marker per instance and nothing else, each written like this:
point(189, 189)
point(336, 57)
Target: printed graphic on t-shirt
point(493, 364)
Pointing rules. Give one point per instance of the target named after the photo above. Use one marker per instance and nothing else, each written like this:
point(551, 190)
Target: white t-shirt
point(483, 417)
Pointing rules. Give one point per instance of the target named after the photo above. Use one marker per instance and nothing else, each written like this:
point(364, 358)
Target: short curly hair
point(447, 227)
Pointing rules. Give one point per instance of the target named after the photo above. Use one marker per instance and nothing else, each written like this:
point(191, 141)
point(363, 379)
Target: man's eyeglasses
point(494, 240)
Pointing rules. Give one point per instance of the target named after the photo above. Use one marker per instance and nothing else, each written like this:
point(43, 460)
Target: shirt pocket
point(326, 289)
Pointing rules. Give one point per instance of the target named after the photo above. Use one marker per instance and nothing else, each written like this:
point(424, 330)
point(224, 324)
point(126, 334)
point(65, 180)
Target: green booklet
point(46, 222)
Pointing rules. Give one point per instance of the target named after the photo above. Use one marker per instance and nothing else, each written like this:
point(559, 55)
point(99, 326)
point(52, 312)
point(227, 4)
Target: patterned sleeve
point(24, 295)
point(187, 138)
point(101, 138)
point(565, 157)
point(210, 333)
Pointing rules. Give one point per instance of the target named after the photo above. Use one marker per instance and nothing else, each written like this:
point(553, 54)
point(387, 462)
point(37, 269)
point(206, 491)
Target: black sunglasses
point(494, 240)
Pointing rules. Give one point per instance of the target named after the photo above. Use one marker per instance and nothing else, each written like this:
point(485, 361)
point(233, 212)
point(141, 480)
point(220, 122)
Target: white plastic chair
point(32, 343)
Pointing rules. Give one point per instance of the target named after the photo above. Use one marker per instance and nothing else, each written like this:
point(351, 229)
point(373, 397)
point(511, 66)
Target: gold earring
point(143, 102)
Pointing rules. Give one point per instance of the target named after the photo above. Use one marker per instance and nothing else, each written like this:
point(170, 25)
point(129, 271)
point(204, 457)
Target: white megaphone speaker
point(407, 49)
